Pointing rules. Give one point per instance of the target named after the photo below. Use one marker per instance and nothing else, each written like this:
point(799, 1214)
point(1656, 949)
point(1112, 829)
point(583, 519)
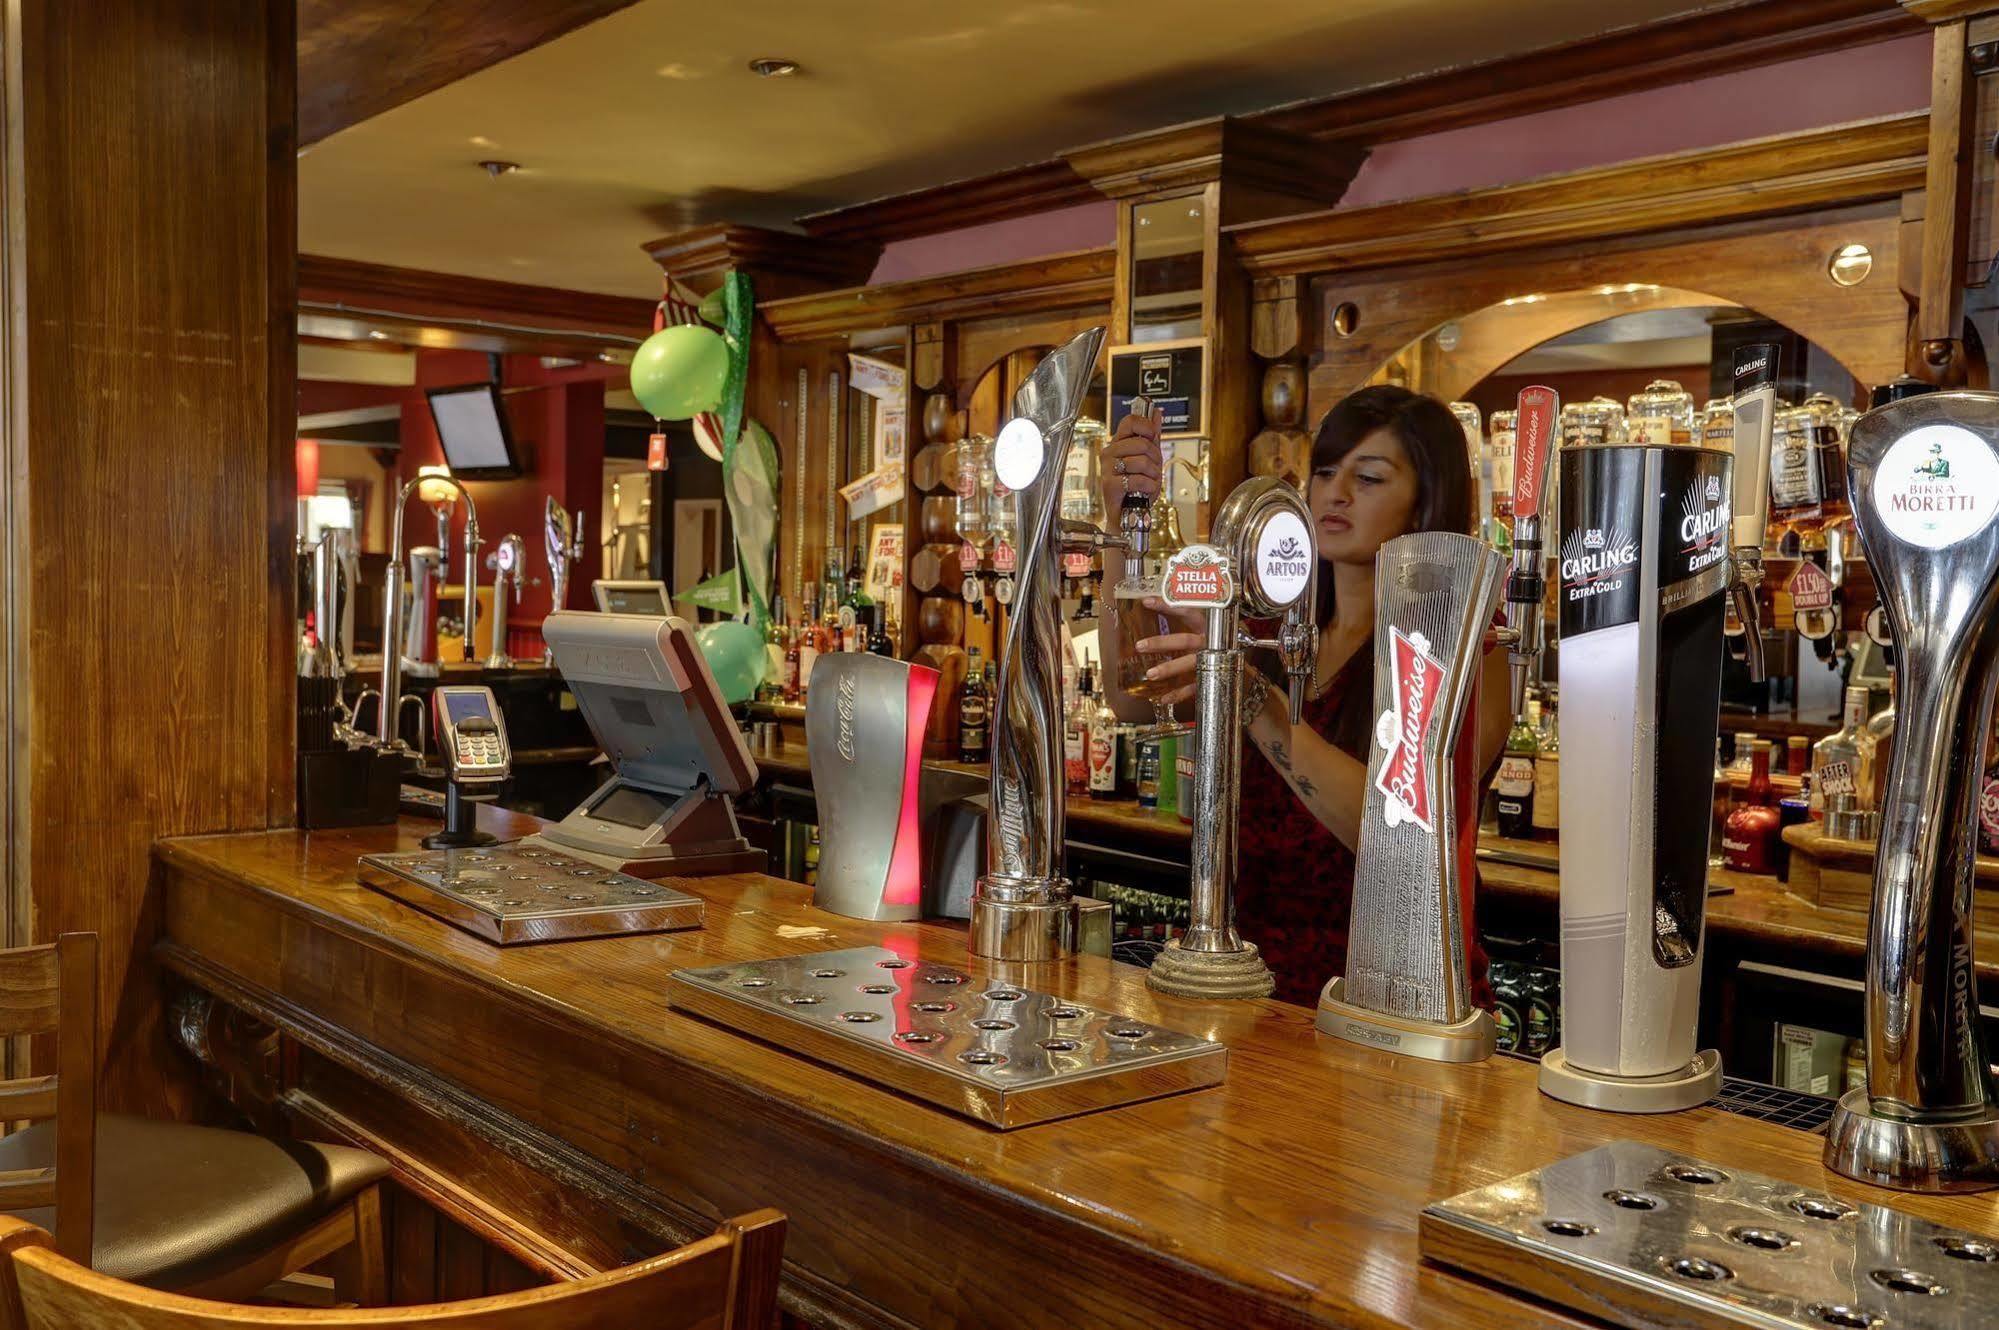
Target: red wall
point(559, 431)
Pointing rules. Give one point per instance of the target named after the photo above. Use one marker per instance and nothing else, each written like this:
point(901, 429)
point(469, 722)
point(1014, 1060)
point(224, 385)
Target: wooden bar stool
point(726, 1281)
point(199, 1210)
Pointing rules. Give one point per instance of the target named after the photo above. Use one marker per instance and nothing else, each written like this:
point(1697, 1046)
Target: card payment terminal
point(472, 740)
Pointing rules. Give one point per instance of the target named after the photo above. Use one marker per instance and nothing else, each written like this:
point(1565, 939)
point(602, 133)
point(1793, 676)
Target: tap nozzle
point(1747, 561)
point(1526, 631)
point(1135, 512)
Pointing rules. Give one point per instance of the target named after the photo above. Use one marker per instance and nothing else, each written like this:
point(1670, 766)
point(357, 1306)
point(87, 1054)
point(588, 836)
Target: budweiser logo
point(1405, 775)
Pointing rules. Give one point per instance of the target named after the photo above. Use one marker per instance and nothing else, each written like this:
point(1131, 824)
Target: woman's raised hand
point(1174, 656)
point(1130, 464)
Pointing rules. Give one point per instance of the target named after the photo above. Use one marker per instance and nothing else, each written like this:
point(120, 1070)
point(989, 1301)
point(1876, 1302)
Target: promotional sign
point(1172, 375)
point(1810, 588)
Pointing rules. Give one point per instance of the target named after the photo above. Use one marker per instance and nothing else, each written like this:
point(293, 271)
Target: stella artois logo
point(1197, 578)
point(1810, 588)
point(1405, 777)
point(1937, 485)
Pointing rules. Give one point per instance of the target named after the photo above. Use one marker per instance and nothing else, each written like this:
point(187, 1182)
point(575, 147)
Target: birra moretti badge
point(1936, 486)
point(1197, 578)
point(1404, 776)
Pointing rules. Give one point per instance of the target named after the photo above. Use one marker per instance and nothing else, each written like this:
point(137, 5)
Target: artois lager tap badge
point(1936, 486)
point(1405, 776)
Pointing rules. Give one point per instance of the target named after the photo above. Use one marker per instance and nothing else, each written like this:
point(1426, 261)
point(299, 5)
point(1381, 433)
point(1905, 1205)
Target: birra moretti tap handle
point(1532, 448)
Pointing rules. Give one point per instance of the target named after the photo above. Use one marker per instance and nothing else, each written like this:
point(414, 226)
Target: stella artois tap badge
point(1197, 577)
point(1404, 776)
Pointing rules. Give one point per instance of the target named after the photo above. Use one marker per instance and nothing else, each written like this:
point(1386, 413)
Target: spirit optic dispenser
point(1924, 482)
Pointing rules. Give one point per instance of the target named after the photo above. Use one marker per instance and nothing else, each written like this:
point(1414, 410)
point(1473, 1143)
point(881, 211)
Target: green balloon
point(735, 655)
point(679, 372)
point(714, 306)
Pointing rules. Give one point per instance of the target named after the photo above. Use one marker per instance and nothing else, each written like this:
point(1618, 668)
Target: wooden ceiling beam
point(1746, 35)
point(359, 58)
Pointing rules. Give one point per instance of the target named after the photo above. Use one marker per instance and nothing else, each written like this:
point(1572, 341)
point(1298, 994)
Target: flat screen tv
point(472, 425)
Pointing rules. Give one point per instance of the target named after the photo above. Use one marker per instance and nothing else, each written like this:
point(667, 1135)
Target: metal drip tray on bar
point(1642, 1237)
point(512, 893)
point(1005, 1055)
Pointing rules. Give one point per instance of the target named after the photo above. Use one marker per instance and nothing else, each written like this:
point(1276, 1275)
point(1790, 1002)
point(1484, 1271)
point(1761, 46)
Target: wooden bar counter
point(553, 1099)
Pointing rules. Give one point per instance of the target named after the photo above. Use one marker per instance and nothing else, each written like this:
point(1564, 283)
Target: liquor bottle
point(1807, 468)
point(1749, 843)
point(1662, 414)
point(1797, 755)
point(1836, 759)
point(808, 640)
point(1076, 734)
point(1503, 431)
point(974, 714)
point(1718, 424)
point(1513, 786)
point(1547, 778)
point(793, 661)
point(1103, 751)
point(880, 641)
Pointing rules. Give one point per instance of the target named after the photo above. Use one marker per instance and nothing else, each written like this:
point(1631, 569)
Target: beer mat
point(989, 1050)
point(515, 893)
point(1645, 1238)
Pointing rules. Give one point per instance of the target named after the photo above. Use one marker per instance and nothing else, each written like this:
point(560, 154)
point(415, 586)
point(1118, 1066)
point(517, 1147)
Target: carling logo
point(1405, 776)
point(1703, 523)
point(1594, 560)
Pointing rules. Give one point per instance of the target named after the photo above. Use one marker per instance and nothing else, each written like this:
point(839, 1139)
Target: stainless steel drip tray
point(1643, 1237)
point(514, 893)
point(1002, 1054)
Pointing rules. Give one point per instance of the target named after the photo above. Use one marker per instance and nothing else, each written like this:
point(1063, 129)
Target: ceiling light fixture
point(376, 334)
point(773, 67)
point(496, 169)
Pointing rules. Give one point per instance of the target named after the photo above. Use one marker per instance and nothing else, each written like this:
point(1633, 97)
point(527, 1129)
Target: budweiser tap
point(1539, 409)
point(1405, 985)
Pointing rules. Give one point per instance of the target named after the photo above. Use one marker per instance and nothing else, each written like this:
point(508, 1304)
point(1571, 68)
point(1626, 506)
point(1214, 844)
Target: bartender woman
point(1386, 462)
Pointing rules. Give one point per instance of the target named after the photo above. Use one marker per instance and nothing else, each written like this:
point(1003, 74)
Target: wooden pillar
point(150, 237)
point(1234, 172)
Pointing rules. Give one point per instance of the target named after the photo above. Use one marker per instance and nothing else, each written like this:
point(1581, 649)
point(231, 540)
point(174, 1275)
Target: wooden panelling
point(154, 242)
point(1286, 1197)
point(367, 291)
point(1938, 353)
point(359, 58)
point(1776, 267)
point(1788, 173)
point(1287, 170)
point(1717, 40)
point(1059, 281)
point(1942, 11)
point(780, 263)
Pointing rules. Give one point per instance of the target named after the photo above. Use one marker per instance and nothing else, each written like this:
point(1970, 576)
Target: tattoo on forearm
point(1305, 786)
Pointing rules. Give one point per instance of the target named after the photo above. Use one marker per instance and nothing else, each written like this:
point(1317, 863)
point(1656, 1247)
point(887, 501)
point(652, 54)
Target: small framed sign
point(1173, 374)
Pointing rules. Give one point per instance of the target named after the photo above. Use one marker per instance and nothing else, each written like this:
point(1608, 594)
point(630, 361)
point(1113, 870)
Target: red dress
point(1294, 878)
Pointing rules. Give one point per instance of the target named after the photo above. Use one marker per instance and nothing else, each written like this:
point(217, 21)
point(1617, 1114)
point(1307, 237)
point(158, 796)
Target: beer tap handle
point(1135, 512)
point(1297, 648)
point(1525, 587)
point(1077, 536)
point(1755, 409)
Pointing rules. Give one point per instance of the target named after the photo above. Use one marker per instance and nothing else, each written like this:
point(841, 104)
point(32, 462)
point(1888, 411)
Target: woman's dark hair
point(1431, 438)
point(1434, 443)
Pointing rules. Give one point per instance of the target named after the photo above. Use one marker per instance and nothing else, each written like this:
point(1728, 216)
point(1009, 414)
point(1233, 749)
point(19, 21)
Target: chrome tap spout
point(392, 603)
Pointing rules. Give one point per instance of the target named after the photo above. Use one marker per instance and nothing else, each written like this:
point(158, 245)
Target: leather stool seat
point(177, 1204)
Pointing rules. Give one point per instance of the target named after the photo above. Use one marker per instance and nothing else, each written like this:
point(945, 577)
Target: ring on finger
point(1118, 466)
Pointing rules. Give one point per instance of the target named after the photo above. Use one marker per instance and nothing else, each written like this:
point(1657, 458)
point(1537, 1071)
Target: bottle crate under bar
point(993, 1051)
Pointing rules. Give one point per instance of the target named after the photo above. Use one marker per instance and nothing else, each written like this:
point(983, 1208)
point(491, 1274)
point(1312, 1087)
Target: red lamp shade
point(307, 454)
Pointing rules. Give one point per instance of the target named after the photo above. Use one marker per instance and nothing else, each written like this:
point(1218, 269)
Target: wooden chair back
point(52, 989)
point(726, 1281)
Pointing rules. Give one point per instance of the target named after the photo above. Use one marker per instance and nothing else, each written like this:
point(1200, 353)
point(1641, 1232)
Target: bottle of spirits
point(880, 641)
point(974, 716)
point(1662, 414)
point(1723, 803)
point(1513, 786)
point(1836, 760)
point(1547, 778)
point(807, 640)
point(793, 653)
point(1076, 734)
point(1880, 747)
point(1749, 843)
point(1103, 751)
point(1502, 433)
point(1807, 469)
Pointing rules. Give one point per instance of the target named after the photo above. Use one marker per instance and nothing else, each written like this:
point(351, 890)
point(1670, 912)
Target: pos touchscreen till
point(676, 755)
